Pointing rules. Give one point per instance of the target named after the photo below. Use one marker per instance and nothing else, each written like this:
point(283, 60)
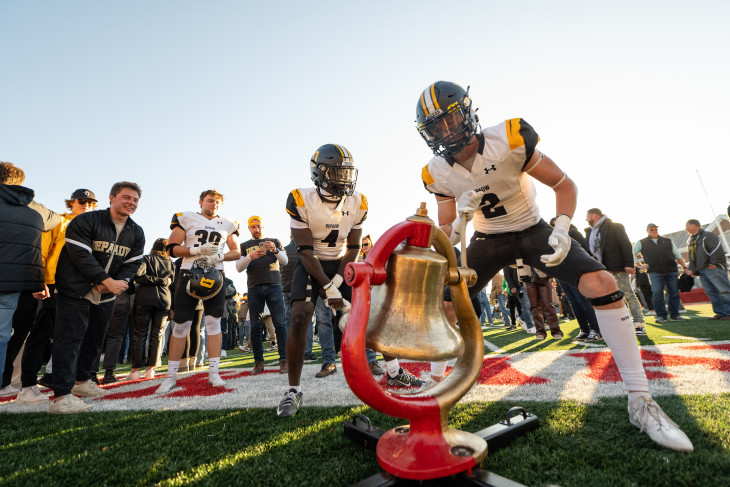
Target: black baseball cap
point(83, 194)
point(651, 225)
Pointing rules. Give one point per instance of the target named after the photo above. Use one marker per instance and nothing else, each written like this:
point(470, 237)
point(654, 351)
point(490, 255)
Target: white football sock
point(438, 369)
point(618, 332)
point(172, 367)
point(213, 364)
point(296, 388)
point(393, 367)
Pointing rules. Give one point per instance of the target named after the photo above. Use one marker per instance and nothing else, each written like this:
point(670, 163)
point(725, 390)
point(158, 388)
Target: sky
point(631, 99)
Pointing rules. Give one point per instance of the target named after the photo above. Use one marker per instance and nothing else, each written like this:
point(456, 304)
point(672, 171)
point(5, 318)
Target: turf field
point(578, 443)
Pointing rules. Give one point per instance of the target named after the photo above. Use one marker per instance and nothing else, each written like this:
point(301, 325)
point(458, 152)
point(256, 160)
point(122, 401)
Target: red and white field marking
point(583, 376)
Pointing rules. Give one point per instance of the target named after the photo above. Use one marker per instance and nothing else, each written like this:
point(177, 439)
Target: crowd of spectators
point(77, 293)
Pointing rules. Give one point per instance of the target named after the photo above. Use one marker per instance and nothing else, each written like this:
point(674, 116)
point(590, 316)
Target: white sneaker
point(532, 330)
point(133, 376)
point(88, 389)
point(9, 390)
point(31, 395)
point(215, 380)
point(166, 386)
point(522, 323)
point(150, 374)
point(645, 414)
point(68, 404)
point(223, 353)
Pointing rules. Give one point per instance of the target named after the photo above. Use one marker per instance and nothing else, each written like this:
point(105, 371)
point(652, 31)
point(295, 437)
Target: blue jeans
point(8, 304)
point(202, 348)
point(287, 311)
point(658, 281)
point(324, 331)
point(326, 334)
point(502, 300)
point(258, 297)
point(310, 337)
point(526, 315)
point(486, 308)
point(717, 288)
point(584, 311)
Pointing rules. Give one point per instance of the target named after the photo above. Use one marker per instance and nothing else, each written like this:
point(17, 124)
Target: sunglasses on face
point(86, 202)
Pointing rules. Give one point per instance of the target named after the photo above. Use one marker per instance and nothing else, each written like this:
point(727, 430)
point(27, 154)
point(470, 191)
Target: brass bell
point(407, 316)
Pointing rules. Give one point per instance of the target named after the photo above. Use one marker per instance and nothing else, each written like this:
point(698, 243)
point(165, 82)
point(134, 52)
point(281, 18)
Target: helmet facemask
point(448, 133)
point(338, 181)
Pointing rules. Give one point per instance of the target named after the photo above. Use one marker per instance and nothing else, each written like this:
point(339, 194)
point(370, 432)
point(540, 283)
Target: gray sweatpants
point(624, 284)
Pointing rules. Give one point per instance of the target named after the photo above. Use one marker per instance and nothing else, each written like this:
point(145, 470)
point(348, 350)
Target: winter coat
point(91, 241)
point(22, 222)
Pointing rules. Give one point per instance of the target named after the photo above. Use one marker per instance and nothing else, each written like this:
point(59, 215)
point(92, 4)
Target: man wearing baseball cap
point(659, 256)
point(261, 258)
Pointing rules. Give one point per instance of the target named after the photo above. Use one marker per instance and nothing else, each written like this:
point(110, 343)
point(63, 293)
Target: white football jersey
point(508, 204)
point(199, 231)
point(329, 226)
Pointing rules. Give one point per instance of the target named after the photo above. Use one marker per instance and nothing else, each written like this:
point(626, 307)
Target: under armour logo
point(345, 213)
point(487, 169)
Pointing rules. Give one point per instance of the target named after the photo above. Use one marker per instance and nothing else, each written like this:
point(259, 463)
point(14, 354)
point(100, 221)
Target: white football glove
point(345, 314)
point(458, 227)
point(560, 242)
point(207, 249)
point(468, 204)
point(332, 292)
point(213, 260)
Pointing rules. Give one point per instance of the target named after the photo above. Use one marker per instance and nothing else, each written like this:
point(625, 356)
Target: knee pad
point(607, 299)
point(181, 330)
point(212, 325)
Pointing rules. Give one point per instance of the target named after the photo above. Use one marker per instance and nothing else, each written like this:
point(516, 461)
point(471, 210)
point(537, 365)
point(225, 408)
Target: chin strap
point(340, 200)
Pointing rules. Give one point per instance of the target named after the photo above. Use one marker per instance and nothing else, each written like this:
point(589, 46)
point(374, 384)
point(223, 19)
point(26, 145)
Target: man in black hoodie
point(102, 253)
point(22, 221)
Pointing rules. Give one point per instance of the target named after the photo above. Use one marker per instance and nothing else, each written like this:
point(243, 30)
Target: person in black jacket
point(610, 245)
point(660, 257)
point(21, 267)
point(103, 251)
point(152, 303)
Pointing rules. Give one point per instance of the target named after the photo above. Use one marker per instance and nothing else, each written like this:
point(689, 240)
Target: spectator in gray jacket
point(707, 260)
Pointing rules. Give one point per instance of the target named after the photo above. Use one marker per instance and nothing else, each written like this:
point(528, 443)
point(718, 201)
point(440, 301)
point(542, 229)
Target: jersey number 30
point(205, 237)
point(489, 206)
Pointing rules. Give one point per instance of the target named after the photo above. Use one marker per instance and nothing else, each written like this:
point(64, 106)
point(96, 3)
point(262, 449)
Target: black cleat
point(404, 379)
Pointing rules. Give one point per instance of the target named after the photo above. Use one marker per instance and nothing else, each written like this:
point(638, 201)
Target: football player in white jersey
point(326, 224)
point(488, 175)
point(199, 236)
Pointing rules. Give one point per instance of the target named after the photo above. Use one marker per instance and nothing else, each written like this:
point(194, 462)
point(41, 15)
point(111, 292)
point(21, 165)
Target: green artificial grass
point(697, 327)
point(575, 445)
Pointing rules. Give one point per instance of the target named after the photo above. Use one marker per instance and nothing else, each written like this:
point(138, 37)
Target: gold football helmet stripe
point(434, 100)
point(431, 104)
point(426, 175)
point(363, 202)
point(346, 156)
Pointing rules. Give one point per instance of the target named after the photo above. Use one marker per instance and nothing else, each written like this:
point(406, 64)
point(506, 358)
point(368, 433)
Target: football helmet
point(445, 118)
point(333, 170)
point(205, 281)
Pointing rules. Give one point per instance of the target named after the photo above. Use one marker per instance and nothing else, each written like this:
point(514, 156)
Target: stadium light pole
point(714, 215)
